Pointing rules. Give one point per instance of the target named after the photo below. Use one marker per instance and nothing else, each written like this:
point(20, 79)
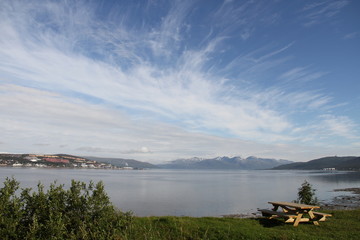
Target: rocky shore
point(346, 201)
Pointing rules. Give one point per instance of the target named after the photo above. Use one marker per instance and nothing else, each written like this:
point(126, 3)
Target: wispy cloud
point(328, 128)
point(293, 101)
point(250, 64)
point(351, 35)
point(242, 19)
point(301, 74)
point(252, 56)
point(168, 35)
point(338, 125)
point(321, 11)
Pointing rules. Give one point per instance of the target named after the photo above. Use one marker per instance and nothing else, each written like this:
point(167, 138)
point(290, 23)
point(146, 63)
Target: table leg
point(312, 218)
point(275, 208)
point(298, 218)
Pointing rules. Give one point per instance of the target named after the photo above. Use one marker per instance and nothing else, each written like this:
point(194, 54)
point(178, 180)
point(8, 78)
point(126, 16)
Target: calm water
point(192, 192)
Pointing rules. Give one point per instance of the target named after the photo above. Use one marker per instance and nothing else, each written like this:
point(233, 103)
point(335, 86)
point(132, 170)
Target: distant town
point(54, 161)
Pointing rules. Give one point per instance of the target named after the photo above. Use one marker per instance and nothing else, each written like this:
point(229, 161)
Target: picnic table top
point(294, 205)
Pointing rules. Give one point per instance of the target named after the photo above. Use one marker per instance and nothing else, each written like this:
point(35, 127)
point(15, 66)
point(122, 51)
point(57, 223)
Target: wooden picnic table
point(295, 213)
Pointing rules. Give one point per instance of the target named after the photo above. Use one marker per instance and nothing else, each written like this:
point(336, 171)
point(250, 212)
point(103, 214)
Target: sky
point(161, 80)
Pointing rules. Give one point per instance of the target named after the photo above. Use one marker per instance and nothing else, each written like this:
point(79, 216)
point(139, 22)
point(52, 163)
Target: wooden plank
point(280, 214)
point(312, 217)
point(294, 205)
point(322, 216)
point(297, 220)
point(291, 220)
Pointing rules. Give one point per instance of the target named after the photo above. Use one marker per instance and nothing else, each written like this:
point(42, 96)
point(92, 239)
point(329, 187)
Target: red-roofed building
point(56, 160)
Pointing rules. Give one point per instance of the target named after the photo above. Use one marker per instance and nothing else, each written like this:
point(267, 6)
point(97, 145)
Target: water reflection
point(337, 177)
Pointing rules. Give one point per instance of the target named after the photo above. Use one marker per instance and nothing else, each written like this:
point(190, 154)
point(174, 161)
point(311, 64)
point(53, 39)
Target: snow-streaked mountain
point(225, 163)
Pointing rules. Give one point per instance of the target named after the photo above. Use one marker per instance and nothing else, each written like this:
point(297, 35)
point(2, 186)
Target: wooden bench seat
point(322, 216)
point(274, 214)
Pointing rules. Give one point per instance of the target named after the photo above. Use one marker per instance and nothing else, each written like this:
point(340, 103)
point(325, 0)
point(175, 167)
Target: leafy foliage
point(306, 194)
point(81, 212)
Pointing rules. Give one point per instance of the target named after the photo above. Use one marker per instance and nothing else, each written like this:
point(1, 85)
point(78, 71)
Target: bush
point(81, 212)
point(306, 194)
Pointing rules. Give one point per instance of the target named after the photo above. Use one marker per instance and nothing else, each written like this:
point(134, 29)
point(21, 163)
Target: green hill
point(121, 162)
point(339, 163)
point(352, 164)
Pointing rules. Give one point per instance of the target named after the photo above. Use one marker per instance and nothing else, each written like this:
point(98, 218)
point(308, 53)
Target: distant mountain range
point(121, 162)
point(339, 163)
point(248, 163)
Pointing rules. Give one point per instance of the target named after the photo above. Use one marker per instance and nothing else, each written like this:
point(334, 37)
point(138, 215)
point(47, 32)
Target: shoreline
point(344, 202)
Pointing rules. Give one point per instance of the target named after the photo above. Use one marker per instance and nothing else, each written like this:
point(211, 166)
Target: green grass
point(342, 225)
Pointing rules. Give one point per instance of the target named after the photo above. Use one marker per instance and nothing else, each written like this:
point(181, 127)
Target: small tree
point(306, 194)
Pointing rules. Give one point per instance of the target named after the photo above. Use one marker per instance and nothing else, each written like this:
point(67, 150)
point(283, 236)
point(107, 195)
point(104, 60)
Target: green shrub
point(10, 210)
point(81, 212)
point(306, 194)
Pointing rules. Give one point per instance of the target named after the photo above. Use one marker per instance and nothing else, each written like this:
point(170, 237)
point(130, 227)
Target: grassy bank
point(343, 225)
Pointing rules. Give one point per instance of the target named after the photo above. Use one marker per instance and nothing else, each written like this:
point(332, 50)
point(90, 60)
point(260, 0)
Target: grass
point(342, 225)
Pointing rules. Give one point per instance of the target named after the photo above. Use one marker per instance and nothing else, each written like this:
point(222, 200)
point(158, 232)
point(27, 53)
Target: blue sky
point(160, 80)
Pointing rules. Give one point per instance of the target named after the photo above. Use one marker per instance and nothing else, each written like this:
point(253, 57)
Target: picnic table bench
point(295, 213)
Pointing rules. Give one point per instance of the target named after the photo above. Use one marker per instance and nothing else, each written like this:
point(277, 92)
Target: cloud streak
point(321, 11)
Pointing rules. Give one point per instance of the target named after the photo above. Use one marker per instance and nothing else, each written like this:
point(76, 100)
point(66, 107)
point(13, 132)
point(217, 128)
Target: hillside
point(121, 162)
point(339, 163)
point(351, 164)
point(224, 163)
point(49, 160)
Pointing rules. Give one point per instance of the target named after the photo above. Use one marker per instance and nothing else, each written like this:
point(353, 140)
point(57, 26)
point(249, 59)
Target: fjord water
point(193, 192)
